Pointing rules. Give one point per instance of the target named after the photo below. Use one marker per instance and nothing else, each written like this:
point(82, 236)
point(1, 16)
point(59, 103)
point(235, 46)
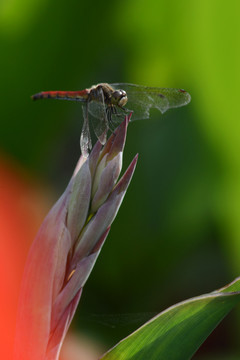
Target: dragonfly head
point(119, 97)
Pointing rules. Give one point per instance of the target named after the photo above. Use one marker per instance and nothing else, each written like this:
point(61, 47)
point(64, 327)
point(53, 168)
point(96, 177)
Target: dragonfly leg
point(109, 114)
point(111, 110)
point(115, 116)
point(125, 109)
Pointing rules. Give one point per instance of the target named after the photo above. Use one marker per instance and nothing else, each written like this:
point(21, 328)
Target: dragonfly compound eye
point(119, 97)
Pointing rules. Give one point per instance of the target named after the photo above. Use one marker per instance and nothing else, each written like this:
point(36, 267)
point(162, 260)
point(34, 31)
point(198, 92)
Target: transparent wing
point(98, 116)
point(85, 138)
point(142, 98)
point(117, 118)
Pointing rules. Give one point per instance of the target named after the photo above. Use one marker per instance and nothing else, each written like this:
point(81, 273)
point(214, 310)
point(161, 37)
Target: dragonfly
point(104, 105)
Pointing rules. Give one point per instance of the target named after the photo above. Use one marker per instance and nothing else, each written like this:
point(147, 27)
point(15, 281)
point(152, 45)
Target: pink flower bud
point(66, 247)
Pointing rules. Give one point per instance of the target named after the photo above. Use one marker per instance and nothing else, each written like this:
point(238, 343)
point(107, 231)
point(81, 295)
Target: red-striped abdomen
point(62, 95)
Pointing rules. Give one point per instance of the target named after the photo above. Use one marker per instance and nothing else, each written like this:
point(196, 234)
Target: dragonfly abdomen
point(62, 95)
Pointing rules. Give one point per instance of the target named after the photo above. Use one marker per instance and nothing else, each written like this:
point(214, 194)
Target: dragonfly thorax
point(110, 95)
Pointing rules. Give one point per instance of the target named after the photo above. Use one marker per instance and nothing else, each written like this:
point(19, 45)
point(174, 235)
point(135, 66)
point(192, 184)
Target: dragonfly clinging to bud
point(105, 104)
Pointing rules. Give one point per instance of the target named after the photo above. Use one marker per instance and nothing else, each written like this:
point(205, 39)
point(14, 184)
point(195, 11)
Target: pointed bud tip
point(116, 141)
point(128, 117)
point(118, 138)
point(126, 178)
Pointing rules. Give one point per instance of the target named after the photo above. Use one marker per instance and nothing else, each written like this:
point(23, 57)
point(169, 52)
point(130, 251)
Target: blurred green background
point(177, 234)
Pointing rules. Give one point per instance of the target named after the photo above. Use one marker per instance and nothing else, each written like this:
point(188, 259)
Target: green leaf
point(177, 333)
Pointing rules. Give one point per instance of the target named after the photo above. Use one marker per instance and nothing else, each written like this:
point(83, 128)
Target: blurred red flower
point(23, 205)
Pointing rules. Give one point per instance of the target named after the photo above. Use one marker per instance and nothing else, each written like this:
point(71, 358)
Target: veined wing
point(98, 116)
point(142, 98)
point(85, 138)
point(93, 112)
